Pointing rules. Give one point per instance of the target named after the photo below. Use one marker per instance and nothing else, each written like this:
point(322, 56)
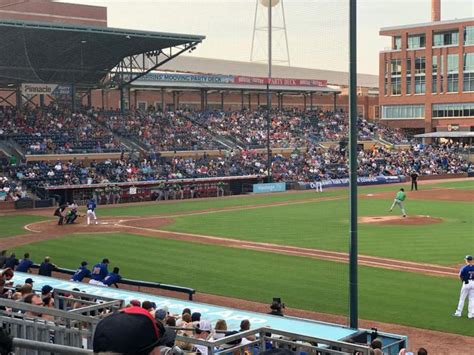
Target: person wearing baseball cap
point(131, 330)
point(466, 274)
point(203, 331)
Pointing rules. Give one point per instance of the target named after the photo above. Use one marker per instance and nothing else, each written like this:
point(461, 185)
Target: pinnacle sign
point(46, 89)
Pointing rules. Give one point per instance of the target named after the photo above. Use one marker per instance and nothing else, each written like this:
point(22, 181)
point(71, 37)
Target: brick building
point(426, 80)
point(53, 12)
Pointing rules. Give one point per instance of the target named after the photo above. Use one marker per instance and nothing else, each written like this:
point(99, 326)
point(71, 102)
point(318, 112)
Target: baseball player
point(99, 272)
point(466, 274)
point(91, 206)
point(81, 272)
point(399, 198)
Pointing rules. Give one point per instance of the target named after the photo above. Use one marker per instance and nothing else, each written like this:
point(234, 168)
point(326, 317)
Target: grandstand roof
point(230, 67)
point(35, 52)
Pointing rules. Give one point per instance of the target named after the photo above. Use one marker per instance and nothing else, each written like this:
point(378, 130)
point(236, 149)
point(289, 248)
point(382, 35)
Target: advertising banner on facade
point(225, 79)
point(188, 78)
point(269, 187)
point(279, 81)
point(375, 180)
point(46, 89)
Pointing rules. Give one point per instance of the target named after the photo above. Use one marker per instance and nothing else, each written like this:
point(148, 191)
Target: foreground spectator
point(25, 264)
point(11, 262)
point(46, 268)
point(203, 331)
point(131, 330)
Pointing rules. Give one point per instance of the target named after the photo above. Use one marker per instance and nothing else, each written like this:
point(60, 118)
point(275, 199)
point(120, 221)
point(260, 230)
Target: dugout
point(148, 190)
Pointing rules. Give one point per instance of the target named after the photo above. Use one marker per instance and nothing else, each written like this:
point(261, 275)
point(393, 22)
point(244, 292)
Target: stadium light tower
point(278, 28)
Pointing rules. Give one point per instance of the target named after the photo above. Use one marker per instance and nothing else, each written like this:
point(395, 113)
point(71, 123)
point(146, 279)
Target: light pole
point(353, 282)
point(269, 94)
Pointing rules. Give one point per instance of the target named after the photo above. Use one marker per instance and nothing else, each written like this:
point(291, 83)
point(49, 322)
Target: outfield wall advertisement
point(375, 180)
point(269, 187)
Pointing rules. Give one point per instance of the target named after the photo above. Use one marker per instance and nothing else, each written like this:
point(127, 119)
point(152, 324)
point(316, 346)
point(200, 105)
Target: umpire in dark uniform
point(414, 182)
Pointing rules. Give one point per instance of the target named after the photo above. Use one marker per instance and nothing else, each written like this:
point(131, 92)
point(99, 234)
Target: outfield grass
point(388, 296)
point(325, 225)
point(14, 225)
point(236, 201)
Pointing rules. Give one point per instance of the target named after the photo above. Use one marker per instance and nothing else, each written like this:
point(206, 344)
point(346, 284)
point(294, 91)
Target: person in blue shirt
point(112, 278)
point(25, 264)
point(46, 268)
point(11, 262)
point(81, 272)
point(91, 206)
point(466, 274)
point(99, 272)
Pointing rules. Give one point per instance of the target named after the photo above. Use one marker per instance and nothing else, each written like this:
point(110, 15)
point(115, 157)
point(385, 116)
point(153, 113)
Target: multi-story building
point(426, 80)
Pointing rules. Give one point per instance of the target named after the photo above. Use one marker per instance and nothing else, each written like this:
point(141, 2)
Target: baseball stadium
point(153, 201)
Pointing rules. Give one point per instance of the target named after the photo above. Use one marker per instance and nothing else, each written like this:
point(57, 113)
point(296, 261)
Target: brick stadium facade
point(53, 12)
point(367, 105)
point(426, 79)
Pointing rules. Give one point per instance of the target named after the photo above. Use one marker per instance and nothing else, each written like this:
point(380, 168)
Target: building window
point(396, 65)
point(420, 81)
point(396, 85)
point(420, 84)
point(453, 110)
point(434, 65)
point(396, 72)
point(468, 70)
point(441, 74)
point(469, 35)
point(434, 84)
point(446, 38)
point(408, 66)
point(408, 88)
point(434, 77)
point(468, 82)
point(403, 112)
point(397, 42)
point(420, 65)
point(387, 68)
point(416, 41)
point(453, 73)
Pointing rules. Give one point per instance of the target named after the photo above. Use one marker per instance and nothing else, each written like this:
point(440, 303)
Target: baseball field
point(292, 245)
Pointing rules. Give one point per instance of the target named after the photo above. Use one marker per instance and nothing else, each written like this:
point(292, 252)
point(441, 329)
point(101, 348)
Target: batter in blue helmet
point(91, 206)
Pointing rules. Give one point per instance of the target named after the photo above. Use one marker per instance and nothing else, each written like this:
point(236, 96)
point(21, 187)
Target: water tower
point(259, 50)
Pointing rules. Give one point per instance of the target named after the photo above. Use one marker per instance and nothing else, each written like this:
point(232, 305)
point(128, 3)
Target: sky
point(317, 30)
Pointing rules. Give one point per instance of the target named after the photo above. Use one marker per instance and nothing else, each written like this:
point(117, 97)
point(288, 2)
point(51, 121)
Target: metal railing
point(156, 285)
point(71, 323)
point(38, 347)
point(265, 338)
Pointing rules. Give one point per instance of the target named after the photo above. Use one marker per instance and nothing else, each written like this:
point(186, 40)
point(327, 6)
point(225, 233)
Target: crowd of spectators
point(310, 164)
point(161, 131)
point(50, 130)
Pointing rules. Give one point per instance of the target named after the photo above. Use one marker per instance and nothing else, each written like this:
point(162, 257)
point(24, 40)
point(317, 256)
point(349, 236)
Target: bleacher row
point(51, 130)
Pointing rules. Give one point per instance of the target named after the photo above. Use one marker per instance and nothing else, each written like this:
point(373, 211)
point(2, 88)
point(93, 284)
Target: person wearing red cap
point(132, 330)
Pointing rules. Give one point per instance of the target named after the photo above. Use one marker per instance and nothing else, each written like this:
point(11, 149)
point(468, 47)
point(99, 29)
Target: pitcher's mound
point(397, 220)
